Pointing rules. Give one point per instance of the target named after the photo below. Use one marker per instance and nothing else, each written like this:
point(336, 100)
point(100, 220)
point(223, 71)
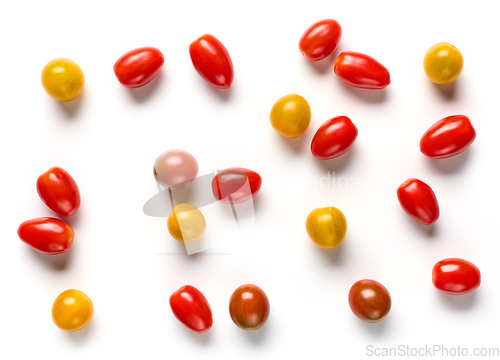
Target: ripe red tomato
point(138, 67)
point(369, 300)
point(361, 71)
point(47, 235)
point(456, 276)
point(191, 308)
point(320, 39)
point(333, 138)
point(236, 185)
point(212, 61)
point(448, 137)
point(419, 201)
point(249, 307)
point(58, 190)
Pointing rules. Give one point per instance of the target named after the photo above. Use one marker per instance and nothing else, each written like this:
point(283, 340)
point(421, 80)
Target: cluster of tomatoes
point(176, 169)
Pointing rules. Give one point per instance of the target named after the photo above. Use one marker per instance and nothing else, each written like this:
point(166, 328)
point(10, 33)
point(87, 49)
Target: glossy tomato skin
point(361, 71)
point(72, 310)
point(320, 39)
point(236, 185)
point(58, 190)
point(249, 307)
point(448, 137)
point(63, 79)
point(46, 235)
point(326, 227)
point(212, 61)
point(369, 300)
point(456, 276)
point(419, 201)
point(191, 308)
point(443, 63)
point(138, 67)
point(290, 115)
point(333, 138)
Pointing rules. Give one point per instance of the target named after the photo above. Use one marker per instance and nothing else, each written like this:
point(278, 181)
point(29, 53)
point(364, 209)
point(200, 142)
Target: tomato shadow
point(325, 65)
point(58, 262)
point(459, 302)
point(335, 256)
point(448, 91)
point(144, 93)
point(222, 94)
point(72, 220)
point(296, 145)
point(367, 95)
point(256, 337)
point(452, 164)
point(71, 108)
point(338, 164)
point(80, 337)
point(201, 339)
point(429, 231)
point(377, 329)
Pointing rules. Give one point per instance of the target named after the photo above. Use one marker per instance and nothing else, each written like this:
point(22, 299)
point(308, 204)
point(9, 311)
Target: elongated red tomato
point(448, 137)
point(361, 71)
point(58, 190)
point(419, 201)
point(333, 138)
point(320, 39)
point(236, 185)
point(47, 235)
point(191, 308)
point(212, 61)
point(456, 276)
point(138, 67)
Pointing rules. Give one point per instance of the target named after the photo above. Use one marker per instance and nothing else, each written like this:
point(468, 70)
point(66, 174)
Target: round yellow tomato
point(186, 223)
point(326, 227)
point(63, 79)
point(72, 310)
point(291, 115)
point(443, 63)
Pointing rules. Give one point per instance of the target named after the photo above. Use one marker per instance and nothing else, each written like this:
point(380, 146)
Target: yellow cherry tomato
point(326, 227)
point(443, 63)
point(291, 115)
point(72, 310)
point(186, 223)
point(63, 79)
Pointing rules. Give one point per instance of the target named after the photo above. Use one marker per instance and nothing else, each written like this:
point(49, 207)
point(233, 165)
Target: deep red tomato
point(47, 235)
point(369, 300)
point(58, 190)
point(236, 185)
point(212, 61)
point(456, 276)
point(448, 137)
point(320, 39)
point(191, 308)
point(249, 307)
point(419, 201)
point(138, 67)
point(361, 71)
point(333, 138)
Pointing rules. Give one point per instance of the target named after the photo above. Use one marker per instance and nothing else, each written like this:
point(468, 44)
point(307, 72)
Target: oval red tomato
point(58, 190)
point(191, 308)
point(419, 201)
point(456, 276)
point(138, 67)
point(47, 235)
point(361, 71)
point(448, 137)
point(212, 61)
point(320, 39)
point(333, 138)
point(236, 185)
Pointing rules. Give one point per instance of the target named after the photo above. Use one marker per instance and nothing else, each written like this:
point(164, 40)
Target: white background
point(109, 138)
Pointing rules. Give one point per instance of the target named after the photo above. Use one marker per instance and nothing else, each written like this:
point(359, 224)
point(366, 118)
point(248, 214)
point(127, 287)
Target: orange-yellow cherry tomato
point(291, 115)
point(186, 223)
point(63, 79)
point(443, 63)
point(326, 227)
point(72, 310)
